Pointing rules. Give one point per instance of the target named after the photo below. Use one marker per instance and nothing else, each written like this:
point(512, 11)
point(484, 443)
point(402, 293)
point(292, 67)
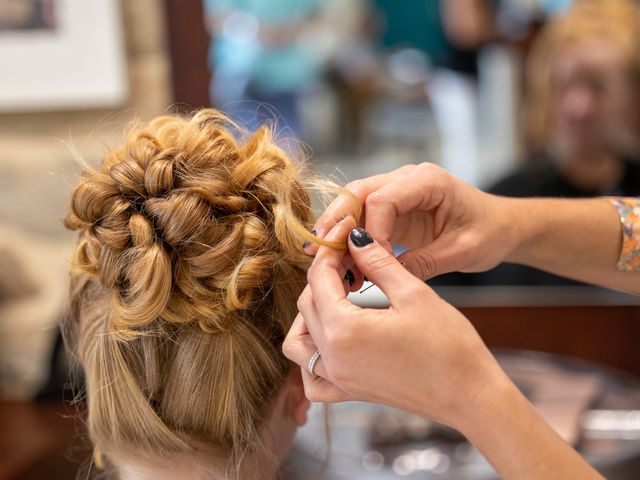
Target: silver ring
point(312, 362)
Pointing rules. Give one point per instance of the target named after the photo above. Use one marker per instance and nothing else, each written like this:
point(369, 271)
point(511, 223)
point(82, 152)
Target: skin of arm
point(447, 225)
point(579, 239)
point(515, 439)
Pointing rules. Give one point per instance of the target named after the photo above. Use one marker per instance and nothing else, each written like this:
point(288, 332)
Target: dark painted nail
point(365, 278)
point(306, 243)
point(350, 278)
point(360, 237)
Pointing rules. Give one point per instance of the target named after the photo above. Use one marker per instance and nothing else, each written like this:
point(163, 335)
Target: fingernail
point(319, 232)
point(350, 278)
point(306, 243)
point(365, 278)
point(360, 237)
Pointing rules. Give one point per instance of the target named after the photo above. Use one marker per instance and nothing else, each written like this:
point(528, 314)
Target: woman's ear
point(297, 403)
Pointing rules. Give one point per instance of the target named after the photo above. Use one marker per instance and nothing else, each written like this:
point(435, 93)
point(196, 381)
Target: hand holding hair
point(446, 224)
point(416, 355)
point(420, 355)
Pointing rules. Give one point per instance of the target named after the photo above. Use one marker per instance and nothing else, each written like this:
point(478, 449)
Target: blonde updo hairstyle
point(613, 21)
point(184, 280)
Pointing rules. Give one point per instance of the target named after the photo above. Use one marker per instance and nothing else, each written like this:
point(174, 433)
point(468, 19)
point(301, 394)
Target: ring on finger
point(312, 363)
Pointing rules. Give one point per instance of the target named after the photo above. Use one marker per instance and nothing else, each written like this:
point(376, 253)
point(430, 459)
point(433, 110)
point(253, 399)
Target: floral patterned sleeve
point(629, 212)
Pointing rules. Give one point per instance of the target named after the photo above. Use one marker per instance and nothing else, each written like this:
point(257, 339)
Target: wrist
point(516, 226)
point(487, 399)
point(545, 232)
point(491, 400)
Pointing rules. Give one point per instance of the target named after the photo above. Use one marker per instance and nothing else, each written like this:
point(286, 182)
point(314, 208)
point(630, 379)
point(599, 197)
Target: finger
point(381, 267)
point(291, 347)
point(358, 278)
point(343, 205)
point(444, 255)
point(423, 190)
point(309, 315)
point(317, 389)
point(299, 347)
point(353, 276)
point(325, 276)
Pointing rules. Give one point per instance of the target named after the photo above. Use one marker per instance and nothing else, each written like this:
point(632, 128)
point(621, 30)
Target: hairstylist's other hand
point(420, 354)
point(446, 224)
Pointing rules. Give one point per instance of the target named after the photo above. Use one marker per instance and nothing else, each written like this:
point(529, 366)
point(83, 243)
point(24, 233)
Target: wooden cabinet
point(609, 335)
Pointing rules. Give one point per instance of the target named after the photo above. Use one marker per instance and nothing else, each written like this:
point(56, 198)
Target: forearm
point(515, 439)
point(579, 239)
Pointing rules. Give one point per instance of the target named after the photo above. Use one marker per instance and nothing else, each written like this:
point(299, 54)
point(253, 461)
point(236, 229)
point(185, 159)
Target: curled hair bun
point(190, 221)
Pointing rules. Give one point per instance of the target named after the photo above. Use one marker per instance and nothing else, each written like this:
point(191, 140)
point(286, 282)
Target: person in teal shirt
point(258, 56)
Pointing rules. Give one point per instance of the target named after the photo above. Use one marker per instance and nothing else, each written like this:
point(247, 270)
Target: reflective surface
point(596, 410)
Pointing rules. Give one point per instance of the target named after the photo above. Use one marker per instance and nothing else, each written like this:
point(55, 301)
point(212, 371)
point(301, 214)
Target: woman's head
point(584, 73)
point(184, 282)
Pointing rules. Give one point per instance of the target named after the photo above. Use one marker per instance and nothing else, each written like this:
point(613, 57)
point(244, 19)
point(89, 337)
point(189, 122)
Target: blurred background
point(514, 96)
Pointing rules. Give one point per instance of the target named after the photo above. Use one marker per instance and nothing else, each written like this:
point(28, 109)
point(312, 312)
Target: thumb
point(380, 266)
point(432, 260)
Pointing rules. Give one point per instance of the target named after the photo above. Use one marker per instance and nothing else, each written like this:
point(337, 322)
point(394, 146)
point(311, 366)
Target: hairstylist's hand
point(446, 224)
point(420, 354)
